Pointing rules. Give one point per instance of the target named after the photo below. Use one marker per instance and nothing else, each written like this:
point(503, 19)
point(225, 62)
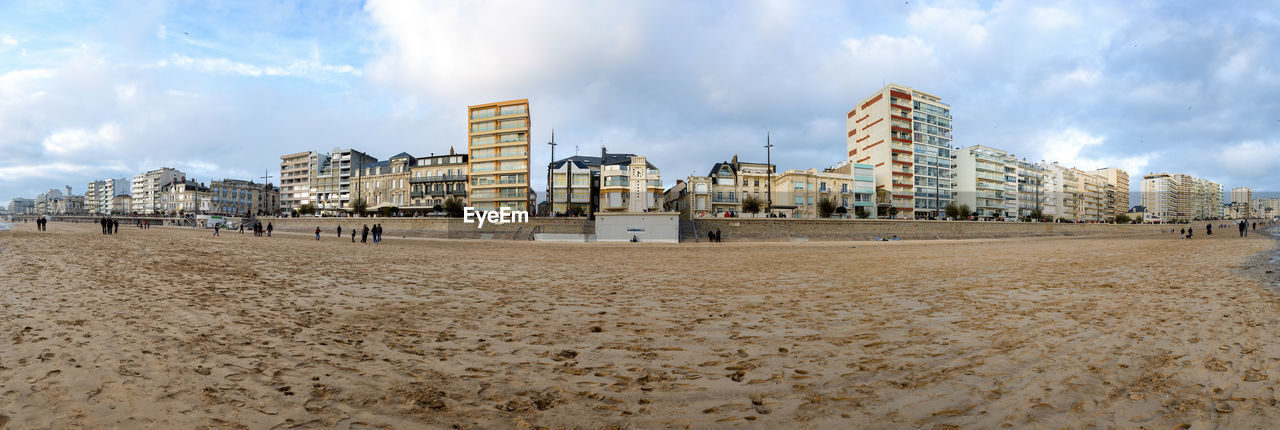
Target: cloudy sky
point(110, 89)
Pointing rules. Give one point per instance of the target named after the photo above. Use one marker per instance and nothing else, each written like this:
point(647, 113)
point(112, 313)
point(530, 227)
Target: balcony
point(415, 194)
point(435, 193)
point(733, 200)
point(458, 192)
point(438, 178)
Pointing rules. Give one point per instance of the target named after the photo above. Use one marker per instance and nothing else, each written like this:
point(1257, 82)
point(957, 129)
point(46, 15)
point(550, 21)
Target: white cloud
point(126, 92)
point(1065, 147)
point(44, 170)
point(227, 66)
point(76, 141)
point(8, 40)
point(1250, 159)
point(161, 32)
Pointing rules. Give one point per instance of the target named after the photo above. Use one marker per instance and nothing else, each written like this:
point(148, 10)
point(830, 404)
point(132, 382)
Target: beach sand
point(173, 328)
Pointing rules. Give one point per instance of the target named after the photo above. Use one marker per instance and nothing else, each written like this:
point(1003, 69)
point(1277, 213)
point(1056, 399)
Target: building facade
point(1243, 197)
point(1117, 195)
point(630, 184)
point(803, 190)
point(435, 178)
point(91, 197)
point(986, 179)
point(498, 150)
point(145, 189)
point(21, 206)
point(331, 181)
point(905, 134)
point(239, 198)
point(296, 171)
point(1180, 198)
point(184, 197)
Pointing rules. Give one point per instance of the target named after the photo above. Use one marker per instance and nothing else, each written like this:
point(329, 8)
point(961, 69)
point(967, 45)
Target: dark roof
point(585, 161)
point(402, 154)
point(715, 170)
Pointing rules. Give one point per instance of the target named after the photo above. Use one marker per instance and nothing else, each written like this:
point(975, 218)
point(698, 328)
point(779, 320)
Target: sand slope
point(171, 328)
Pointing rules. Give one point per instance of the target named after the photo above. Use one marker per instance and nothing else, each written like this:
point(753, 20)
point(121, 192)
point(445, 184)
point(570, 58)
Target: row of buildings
point(163, 191)
point(899, 162)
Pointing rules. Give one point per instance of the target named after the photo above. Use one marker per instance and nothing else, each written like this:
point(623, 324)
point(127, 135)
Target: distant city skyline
point(94, 91)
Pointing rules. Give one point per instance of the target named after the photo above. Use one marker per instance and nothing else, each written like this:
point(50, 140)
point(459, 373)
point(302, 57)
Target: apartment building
point(1117, 195)
point(630, 184)
point(435, 178)
point(1033, 195)
point(1093, 200)
point(905, 134)
point(1180, 198)
point(183, 197)
point(91, 198)
point(21, 206)
point(1244, 197)
point(498, 150)
point(239, 197)
point(121, 204)
point(575, 182)
point(798, 192)
point(296, 171)
point(1266, 208)
point(384, 184)
point(986, 179)
point(99, 194)
point(48, 202)
point(145, 189)
point(720, 193)
point(331, 179)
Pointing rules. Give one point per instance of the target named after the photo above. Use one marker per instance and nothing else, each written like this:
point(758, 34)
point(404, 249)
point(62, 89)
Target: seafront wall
point(442, 228)
point(775, 229)
point(732, 229)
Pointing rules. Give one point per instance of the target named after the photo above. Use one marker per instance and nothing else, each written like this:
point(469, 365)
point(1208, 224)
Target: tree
point(1122, 219)
point(893, 212)
point(437, 208)
point(359, 206)
point(453, 207)
point(576, 211)
point(751, 204)
point(963, 211)
point(861, 212)
point(826, 207)
point(307, 209)
point(952, 210)
point(841, 211)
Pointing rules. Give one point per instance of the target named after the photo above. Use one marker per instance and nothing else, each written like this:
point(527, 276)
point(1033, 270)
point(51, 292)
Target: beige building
point(631, 184)
point(184, 197)
point(92, 198)
point(295, 179)
point(121, 204)
point(1117, 190)
point(384, 183)
point(239, 197)
point(798, 192)
point(1180, 198)
point(498, 150)
point(722, 191)
point(1266, 208)
point(1242, 198)
point(905, 134)
point(331, 182)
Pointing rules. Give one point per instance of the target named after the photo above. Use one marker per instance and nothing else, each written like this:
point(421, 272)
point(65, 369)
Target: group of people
point(376, 232)
point(41, 223)
point(714, 235)
point(109, 225)
point(1243, 225)
point(259, 230)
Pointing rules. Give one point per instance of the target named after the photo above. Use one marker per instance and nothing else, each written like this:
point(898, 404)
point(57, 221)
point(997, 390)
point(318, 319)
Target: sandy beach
point(173, 328)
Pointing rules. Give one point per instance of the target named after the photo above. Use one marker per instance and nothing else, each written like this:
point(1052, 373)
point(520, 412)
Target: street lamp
point(551, 202)
point(768, 168)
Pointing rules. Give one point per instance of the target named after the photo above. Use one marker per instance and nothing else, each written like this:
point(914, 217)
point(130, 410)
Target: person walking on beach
point(115, 226)
point(1243, 231)
point(339, 232)
point(1190, 232)
point(216, 227)
point(353, 235)
point(317, 233)
point(1182, 232)
point(269, 229)
point(377, 233)
point(364, 234)
point(1208, 229)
